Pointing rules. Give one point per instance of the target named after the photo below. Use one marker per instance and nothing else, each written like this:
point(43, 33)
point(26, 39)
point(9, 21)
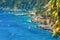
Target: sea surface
point(21, 28)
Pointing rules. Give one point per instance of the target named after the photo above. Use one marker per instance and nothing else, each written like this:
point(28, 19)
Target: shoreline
point(43, 23)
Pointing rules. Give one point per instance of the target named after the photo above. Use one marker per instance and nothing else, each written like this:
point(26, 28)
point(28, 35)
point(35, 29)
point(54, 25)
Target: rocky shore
point(45, 23)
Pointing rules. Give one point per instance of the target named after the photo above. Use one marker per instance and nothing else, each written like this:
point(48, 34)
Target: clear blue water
point(17, 28)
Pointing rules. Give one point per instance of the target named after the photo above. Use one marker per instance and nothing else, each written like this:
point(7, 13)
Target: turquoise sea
point(17, 28)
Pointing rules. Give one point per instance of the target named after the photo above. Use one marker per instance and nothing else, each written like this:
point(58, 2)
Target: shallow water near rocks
point(17, 28)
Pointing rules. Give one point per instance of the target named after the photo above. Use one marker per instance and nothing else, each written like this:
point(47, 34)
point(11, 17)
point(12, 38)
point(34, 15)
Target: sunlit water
point(18, 28)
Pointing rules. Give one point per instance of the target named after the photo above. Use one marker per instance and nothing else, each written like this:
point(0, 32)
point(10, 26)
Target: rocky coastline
point(45, 23)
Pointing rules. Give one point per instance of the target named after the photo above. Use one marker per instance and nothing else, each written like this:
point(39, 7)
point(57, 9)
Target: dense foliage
point(22, 4)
